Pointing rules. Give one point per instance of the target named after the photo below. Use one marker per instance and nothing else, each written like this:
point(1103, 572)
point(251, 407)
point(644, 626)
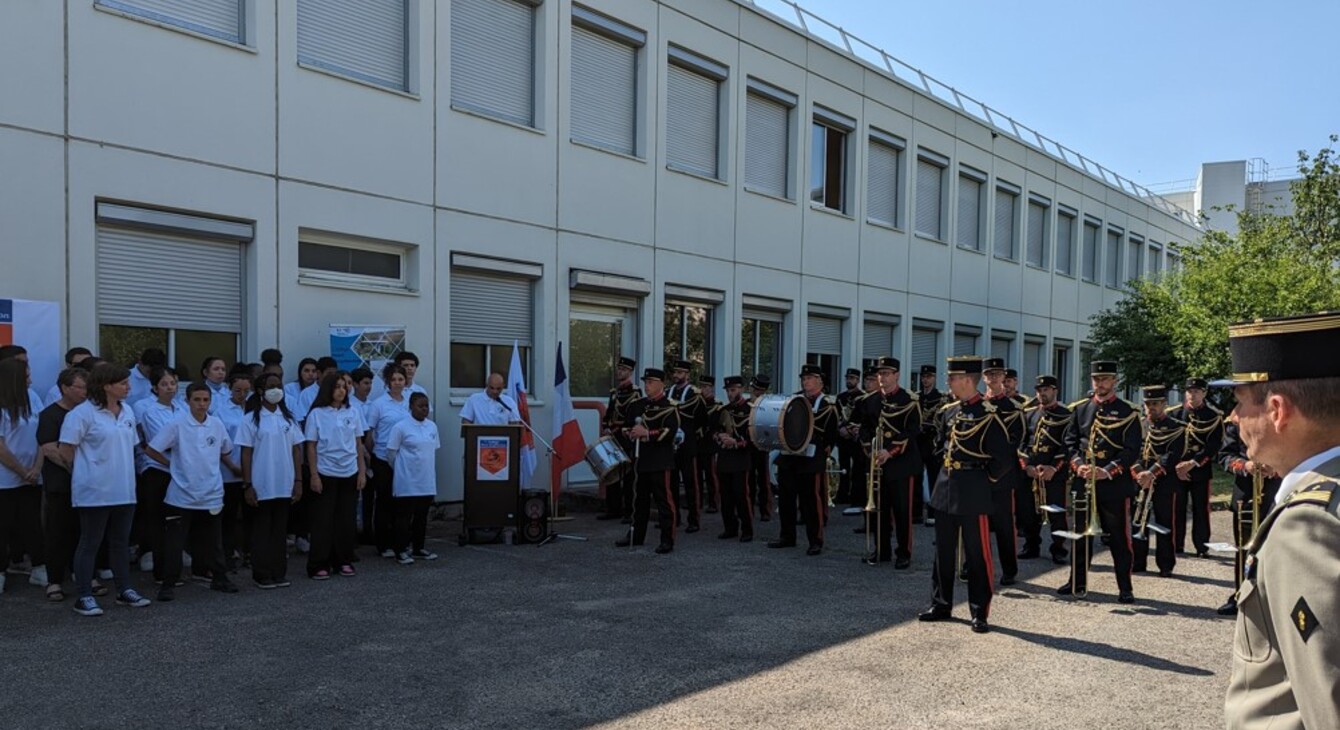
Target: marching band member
point(1205, 435)
point(619, 493)
point(691, 417)
point(847, 446)
point(1156, 472)
point(707, 445)
point(1045, 457)
point(655, 420)
point(733, 463)
point(760, 476)
point(801, 477)
point(893, 415)
point(978, 453)
point(1004, 491)
point(931, 399)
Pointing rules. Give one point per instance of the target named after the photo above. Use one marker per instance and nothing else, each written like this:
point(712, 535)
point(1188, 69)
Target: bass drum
point(607, 459)
point(781, 422)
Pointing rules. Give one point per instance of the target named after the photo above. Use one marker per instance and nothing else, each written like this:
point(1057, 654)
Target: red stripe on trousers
point(1126, 526)
point(984, 527)
point(670, 499)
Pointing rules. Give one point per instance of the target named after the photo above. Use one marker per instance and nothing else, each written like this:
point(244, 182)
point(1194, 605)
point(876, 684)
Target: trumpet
point(871, 499)
point(1144, 522)
point(1249, 520)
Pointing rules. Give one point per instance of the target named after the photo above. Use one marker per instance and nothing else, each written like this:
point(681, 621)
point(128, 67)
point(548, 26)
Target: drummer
point(801, 476)
point(760, 472)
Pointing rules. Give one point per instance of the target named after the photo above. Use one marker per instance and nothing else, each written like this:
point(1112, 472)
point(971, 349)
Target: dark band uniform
point(619, 493)
point(688, 490)
point(978, 453)
point(733, 467)
point(1165, 446)
point(896, 417)
point(1045, 446)
point(1285, 673)
point(1205, 435)
point(803, 478)
point(707, 445)
point(1115, 447)
point(847, 447)
point(931, 401)
point(760, 481)
point(655, 461)
point(1004, 492)
point(1233, 459)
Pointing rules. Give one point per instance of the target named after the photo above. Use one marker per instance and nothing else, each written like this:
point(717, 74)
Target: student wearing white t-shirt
point(98, 438)
point(199, 444)
point(20, 467)
point(382, 415)
point(235, 523)
point(307, 375)
point(141, 374)
point(412, 448)
point(335, 451)
point(303, 403)
point(151, 415)
point(271, 441)
point(214, 373)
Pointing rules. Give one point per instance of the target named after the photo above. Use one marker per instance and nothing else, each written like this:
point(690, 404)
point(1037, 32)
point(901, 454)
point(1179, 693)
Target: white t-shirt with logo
point(271, 443)
point(415, 444)
point(336, 432)
point(20, 437)
point(197, 447)
point(382, 416)
point(104, 455)
point(232, 414)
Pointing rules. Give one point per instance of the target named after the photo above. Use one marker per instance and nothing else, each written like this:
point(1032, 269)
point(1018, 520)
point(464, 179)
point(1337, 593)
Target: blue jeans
point(94, 523)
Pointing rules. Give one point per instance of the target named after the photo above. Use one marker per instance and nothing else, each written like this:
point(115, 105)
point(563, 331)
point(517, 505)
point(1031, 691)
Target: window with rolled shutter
point(692, 120)
point(1001, 348)
point(925, 349)
point(930, 180)
point(493, 58)
point(363, 39)
point(1065, 243)
point(882, 182)
point(1007, 243)
point(604, 82)
point(148, 279)
point(965, 343)
point(1032, 364)
point(491, 309)
point(1090, 259)
point(767, 145)
point(825, 335)
point(969, 232)
point(1113, 269)
point(877, 340)
point(1037, 233)
point(222, 19)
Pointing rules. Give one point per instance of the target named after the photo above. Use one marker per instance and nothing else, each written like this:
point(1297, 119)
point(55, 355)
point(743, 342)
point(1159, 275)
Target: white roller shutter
point(825, 335)
point(604, 91)
point(877, 340)
point(493, 58)
point(1090, 261)
point(969, 232)
point(1065, 243)
point(154, 280)
point(1037, 234)
point(221, 19)
point(364, 39)
point(1032, 365)
point(882, 185)
point(925, 349)
point(929, 178)
point(1113, 258)
point(1134, 260)
point(487, 309)
point(692, 120)
point(965, 344)
point(1001, 348)
point(1005, 229)
point(766, 145)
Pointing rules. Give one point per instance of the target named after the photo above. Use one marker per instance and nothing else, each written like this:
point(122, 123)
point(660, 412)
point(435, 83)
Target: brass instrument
point(1039, 494)
point(1144, 499)
point(1086, 501)
point(872, 480)
point(833, 480)
point(1249, 520)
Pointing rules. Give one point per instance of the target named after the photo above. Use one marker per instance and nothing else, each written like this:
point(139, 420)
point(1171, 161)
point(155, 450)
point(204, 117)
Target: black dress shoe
point(781, 544)
point(1135, 569)
point(746, 538)
point(902, 563)
point(726, 536)
point(1028, 554)
point(1065, 590)
point(859, 530)
point(1007, 580)
point(664, 548)
point(1202, 553)
point(980, 626)
point(814, 549)
point(1126, 597)
point(935, 613)
point(1165, 573)
point(608, 517)
point(1228, 609)
point(693, 528)
point(1060, 558)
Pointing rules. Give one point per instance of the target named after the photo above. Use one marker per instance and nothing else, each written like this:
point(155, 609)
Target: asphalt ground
point(577, 634)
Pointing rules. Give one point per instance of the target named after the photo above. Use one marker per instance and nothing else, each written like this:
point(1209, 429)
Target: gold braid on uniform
point(887, 424)
point(1161, 439)
point(1046, 422)
point(957, 431)
point(1104, 427)
point(1199, 431)
point(655, 420)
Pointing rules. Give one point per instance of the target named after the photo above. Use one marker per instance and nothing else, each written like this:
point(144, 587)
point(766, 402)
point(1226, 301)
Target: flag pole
point(555, 476)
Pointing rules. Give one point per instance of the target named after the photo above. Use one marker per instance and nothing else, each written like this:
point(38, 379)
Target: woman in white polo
point(271, 441)
point(99, 438)
point(334, 448)
point(20, 466)
point(412, 448)
point(382, 415)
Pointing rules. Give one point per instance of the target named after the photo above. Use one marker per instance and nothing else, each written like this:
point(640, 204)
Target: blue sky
point(1149, 89)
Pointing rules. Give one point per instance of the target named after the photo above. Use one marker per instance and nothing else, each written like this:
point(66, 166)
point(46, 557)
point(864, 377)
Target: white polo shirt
point(231, 414)
point(140, 387)
point(152, 416)
point(300, 405)
point(104, 455)
point(271, 444)
point(196, 446)
point(382, 416)
point(20, 437)
point(336, 432)
point(414, 444)
point(482, 410)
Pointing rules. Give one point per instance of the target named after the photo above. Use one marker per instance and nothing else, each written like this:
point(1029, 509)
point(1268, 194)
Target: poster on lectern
point(366, 345)
point(493, 462)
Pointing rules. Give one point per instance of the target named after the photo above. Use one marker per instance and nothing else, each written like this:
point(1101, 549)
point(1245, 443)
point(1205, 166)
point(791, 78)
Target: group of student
point(218, 475)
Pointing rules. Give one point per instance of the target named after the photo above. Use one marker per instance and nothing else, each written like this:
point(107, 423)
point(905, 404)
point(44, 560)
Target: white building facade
point(649, 177)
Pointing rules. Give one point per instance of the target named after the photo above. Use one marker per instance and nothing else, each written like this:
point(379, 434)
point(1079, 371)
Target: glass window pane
point(835, 170)
point(343, 260)
point(817, 152)
point(192, 347)
point(374, 263)
point(748, 352)
point(123, 345)
point(592, 352)
point(467, 365)
point(770, 349)
point(698, 337)
point(500, 361)
point(673, 334)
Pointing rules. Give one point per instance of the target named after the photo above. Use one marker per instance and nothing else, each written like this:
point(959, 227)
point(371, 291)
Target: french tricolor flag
point(569, 445)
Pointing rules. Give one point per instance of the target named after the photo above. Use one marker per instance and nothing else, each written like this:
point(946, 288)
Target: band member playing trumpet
point(1104, 441)
point(733, 448)
point(801, 477)
point(619, 493)
point(1156, 474)
point(1250, 505)
point(977, 453)
point(1046, 463)
point(655, 420)
point(893, 414)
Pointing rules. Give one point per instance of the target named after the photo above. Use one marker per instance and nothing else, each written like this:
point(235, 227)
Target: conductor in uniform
point(1286, 379)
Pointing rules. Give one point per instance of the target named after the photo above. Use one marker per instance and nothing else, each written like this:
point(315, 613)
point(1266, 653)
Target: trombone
point(1086, 501)
point(873, 496)
point(1249, 520)
point(1144, 501)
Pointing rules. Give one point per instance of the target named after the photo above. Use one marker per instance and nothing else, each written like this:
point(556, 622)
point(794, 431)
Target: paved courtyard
point(581, 634)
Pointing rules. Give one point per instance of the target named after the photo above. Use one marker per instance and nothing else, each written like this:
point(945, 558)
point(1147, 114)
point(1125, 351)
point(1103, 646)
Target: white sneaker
point(404, 558)
point(388, 553)
point(2, 582)
point(22, 568)
point(302, 545)
point(147, 563)
point(423, 555)
point(185, 559)
point(39, 576)
point(105, 574)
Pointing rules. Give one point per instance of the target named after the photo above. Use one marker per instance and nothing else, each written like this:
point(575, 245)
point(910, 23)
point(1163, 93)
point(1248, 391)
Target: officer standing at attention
point(931, 399)
point(977, 453)
point(801, 477)
point(1164, 448)
point(1045, 457)
point(619, 493)
point(707, 445)
point(1002, 517)
point(652, 424)
point(1204, 436)
point(893, 416)
point(685, 476)
point(760, 481)
point(1286, 381)
point(847, 445)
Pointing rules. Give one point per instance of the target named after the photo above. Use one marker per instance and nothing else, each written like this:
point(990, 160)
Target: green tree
point(1129, 333)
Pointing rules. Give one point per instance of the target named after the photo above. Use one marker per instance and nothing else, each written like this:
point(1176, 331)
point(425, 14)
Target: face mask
point(274, 395)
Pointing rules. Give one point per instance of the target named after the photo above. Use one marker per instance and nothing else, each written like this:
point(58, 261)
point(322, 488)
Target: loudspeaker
point(532, 516)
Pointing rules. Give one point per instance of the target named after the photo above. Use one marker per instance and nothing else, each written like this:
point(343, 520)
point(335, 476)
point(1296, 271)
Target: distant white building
point(1221, 189)
point(651, 177)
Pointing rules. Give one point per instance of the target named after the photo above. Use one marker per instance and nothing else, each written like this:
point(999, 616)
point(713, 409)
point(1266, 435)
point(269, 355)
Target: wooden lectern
point(492, 480)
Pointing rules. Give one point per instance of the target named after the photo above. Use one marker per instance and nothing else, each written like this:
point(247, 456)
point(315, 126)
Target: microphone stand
point(553, 506)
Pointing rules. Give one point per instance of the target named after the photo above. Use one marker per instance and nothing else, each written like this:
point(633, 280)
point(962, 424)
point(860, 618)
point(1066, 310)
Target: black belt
point(954, 465)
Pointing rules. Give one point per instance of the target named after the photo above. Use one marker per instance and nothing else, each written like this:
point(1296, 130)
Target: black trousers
point(269, 525)
point(761, 482)
point(206, 538)
point(60, 527)
point(707, 476)
point(1030, 521)
point(298, 524)
point(21, 520)
point(619, 492)
point(931, 464)
point(331, 518)
point(895, 498)
point(847, 450)
point(411, 523)
point(1002, 522)
point(1165, 551)
point(1115, 517)
point(1195, 495)
point(379, 493)
point(972, 530)
point(97, 524)
point(151, 487)
point(654, 485)
point(688, 491)
point(737, 508)
point(235, 522)
point(810, 493)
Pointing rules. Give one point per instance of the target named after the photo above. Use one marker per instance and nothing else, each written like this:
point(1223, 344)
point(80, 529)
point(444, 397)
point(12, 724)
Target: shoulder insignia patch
point(1303, 619)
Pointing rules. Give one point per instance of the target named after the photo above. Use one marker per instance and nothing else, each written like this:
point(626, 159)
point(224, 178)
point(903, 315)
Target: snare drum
point(607, 459)
point(782, 422)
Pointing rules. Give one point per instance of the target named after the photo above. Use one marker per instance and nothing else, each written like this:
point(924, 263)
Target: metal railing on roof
point(834, 35)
